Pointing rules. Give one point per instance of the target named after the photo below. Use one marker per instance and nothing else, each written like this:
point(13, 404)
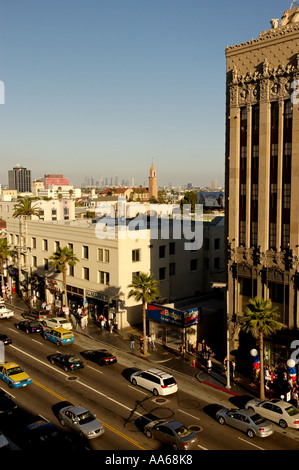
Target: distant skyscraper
point(214, 184)
point(19, 178)
point(55, 180)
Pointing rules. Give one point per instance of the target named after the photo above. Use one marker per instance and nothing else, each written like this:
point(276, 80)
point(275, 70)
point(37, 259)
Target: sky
point(106, 87)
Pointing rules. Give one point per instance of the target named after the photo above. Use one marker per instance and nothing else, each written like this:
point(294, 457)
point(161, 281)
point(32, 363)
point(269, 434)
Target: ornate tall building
point(152, 183)
point(262, 177)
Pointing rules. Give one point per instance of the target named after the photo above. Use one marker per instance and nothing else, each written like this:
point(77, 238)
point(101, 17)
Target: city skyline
point(99, 88)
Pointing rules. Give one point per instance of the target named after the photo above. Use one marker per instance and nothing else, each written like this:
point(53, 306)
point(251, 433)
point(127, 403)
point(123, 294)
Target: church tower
point(152, 184)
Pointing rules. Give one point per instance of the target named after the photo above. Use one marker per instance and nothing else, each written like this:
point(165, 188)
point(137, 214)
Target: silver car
point(173, 433)
point(248, 421)
point(81, 420)
point(279, 411)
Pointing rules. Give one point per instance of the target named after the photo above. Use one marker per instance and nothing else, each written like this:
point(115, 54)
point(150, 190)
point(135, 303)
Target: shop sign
point(96, 295)
point(172, 316)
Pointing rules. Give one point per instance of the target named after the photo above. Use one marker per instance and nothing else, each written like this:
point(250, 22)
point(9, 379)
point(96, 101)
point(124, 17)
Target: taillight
point(261, 429)
point(164, 386)
point(296, 422)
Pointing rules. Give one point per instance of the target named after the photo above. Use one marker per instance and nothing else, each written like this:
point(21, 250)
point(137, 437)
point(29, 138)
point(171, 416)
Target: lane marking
point(96, 370)
point(195, 417)
point(251, 443)
point(136, 389)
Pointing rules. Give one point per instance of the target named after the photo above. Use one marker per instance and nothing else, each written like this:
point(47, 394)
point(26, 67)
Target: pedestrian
point(153, 338)
point(132, 342)
point(44, 304)
point(115, 324)
point(182, 351)
point(209, 365)
point(49, 309)
point(141, 342)
point(232, 368)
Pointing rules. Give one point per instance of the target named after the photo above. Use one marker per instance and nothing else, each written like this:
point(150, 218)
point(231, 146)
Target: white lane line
point(140, 391)
point(7, 393)
point(35, 340)
point(195, 417)
point(15, 331)
point(96, 370)
point(247, 442)
point(203, 448)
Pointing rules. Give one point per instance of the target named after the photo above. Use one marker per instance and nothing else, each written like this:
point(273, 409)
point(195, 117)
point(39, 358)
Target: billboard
point(172, 316)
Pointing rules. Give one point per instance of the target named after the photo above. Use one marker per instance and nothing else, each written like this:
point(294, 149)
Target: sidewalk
point(191, 365)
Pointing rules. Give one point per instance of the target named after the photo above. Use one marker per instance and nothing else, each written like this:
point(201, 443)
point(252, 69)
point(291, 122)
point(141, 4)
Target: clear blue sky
point(108, 86)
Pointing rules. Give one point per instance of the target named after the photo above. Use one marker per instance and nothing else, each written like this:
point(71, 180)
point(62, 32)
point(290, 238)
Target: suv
point(159, 382)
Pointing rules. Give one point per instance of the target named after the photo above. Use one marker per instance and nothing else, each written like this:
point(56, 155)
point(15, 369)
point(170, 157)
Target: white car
point(57, 322)
point(5, 312)
point(155, 380)
point(279, 411)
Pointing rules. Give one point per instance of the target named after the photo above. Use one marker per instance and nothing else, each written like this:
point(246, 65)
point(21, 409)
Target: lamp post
point(220, 285)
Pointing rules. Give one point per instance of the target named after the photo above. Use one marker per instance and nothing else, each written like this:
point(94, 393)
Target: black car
point(29, 326)
point(45, 435)
point(67, 361)
point(100, 356)
point(5, 339)
point(7, 405)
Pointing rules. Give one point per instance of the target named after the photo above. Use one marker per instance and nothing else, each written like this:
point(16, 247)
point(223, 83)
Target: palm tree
point(260, 319)
point(144, 288)
point(24, 210)
point(60, 259)
point(5, 252)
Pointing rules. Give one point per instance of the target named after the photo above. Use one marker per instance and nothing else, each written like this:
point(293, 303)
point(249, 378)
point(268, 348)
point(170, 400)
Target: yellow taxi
point(59, 336)
point(14, 375)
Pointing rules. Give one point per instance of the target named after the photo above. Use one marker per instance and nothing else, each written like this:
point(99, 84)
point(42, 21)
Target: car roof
point(61, 330)
point(77, 409)
point(173, 424)
point(159, 372)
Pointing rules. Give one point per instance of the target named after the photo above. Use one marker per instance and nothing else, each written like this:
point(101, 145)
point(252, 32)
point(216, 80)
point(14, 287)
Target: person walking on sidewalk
point(209, 365)
point(132, 343)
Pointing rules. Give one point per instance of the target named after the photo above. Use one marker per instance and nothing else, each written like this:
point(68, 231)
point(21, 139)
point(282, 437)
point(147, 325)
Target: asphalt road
point(107, 392)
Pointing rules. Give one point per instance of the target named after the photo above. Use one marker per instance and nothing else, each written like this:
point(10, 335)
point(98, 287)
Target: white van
point(155, 380)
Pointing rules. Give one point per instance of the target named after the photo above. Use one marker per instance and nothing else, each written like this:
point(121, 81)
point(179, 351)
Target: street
point(108, 393)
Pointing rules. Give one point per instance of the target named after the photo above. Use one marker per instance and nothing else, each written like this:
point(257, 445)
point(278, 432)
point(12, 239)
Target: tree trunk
point(2, 279)
point(262, 384)
point(144, 328)
point(64, 286)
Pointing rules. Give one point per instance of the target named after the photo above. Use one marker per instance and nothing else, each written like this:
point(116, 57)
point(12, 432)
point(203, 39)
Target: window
point(193, 265)
point(103, 255)
point(136, 255)
point(162, 274)
point(136, 273)
point(86, 274)
point(71, 271)
point(217, 244)
point(57, 245)
point(33, 242)
point(216, 263)
point(45, 245)
point(34, 261)
point(162, 251)
point(46, 264)
point(172, 248)
point(104, 278)
point(85, 252)
point(71, 246)
point(171, 269)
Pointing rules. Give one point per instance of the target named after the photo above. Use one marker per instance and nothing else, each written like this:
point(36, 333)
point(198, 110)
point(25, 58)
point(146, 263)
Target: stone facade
point(262, 169)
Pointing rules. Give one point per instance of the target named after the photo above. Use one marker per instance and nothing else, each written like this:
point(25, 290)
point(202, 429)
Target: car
point(42, 434)
point(173, 433)
point(14, 375)
point(279, 411)
point(81, 420)
point(67, 361)
point(155, 380)
point(100, 356)
point(4, 339)
point(7, 405)
point(58, 322)
point(29, 326)
point(6, 312)
point(58, 336)
point(248, 421)
point(36, 313)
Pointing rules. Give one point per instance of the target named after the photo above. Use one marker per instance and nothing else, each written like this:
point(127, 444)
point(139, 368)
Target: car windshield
point(67, 335)
point(63, 321)
point(34, 324)
point(14, 370)
point(258, 419)
point(86, 417)
point(292, 411)
point(182, 431)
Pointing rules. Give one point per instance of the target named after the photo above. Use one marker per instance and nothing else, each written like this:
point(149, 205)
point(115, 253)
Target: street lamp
point(220, 285)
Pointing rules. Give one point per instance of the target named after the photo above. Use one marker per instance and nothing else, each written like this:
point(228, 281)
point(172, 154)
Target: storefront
point(97, 304)
point(75, 297)
point(53, 293)
point(173, 327)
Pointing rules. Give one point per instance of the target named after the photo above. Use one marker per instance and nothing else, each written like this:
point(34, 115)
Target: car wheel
point(134, 381)
point(250, 433)
point(62, 422)
point(250, 408)
point(17, 327)
point(221, 420)
point(148, 433)
point(283, 424)
point(52, 361)
point(155, 392)
point(57, 343)
point(65, 368)
point(174, 446)
point(27, 331)
point(10, 384)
